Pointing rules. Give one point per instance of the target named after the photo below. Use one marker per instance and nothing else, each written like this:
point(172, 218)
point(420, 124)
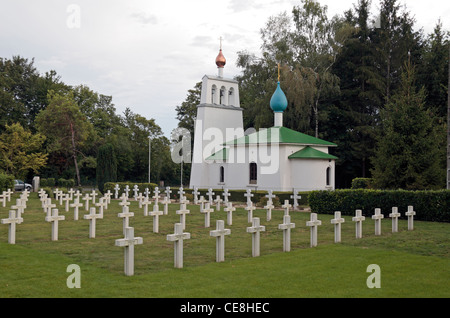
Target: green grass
point(413, 263)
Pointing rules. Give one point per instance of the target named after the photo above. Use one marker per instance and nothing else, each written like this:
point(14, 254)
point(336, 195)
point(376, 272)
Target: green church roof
point(279, 135)
point(311, 153)
point(222, 154)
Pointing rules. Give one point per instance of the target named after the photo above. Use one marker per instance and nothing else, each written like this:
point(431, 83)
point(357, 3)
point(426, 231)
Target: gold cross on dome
point(278, 72)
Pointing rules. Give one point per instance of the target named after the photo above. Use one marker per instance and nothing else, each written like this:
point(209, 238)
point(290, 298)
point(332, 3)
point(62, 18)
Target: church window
point(231, 97)
point(223, 96)
point(213, 94)
point(253, 173)
point(328, 175)
point(222, 174)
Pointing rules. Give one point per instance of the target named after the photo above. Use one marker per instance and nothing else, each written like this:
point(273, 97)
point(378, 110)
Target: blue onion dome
point(278, 102)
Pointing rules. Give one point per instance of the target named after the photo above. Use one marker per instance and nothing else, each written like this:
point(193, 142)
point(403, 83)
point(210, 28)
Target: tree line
point(55, 130)
point(371, 82)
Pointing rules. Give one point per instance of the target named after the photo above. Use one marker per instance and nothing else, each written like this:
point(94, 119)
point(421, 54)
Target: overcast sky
point(146, 54)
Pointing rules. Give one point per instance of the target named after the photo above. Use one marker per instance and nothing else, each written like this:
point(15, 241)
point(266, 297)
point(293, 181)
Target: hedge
point(6, 182)
point(428, 205)
point(111, 185)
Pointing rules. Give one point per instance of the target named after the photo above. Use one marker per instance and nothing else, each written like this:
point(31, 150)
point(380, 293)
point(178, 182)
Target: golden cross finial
point(278, 72)
point(220, 39)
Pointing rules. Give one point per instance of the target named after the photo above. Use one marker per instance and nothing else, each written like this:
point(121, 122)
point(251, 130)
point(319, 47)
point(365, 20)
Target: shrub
point(6, 182)
point(50, 182)
point(66, 183)
point(362, 183)
point(429, 205)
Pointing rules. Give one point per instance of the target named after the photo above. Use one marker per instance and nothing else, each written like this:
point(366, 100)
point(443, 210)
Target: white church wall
point(311, 174)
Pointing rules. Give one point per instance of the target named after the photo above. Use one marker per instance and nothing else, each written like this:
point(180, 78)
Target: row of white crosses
point(5, 197)
point(15, 214)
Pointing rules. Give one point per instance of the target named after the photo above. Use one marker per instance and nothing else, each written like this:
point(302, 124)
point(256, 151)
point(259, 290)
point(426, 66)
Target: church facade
point(276, 158)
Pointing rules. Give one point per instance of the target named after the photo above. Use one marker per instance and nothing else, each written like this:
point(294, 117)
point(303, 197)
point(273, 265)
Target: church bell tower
point(219, 118)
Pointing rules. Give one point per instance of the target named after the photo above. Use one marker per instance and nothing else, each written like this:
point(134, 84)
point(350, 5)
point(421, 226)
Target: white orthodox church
point(276, 158)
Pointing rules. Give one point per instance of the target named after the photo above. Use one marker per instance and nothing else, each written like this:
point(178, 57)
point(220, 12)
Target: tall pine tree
point(410, 147)
point(106, 165)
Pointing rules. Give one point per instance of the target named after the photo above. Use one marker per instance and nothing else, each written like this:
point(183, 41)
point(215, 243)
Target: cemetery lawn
point(412, 263)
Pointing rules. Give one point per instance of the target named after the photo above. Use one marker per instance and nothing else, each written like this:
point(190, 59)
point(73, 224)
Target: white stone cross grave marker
point(181, 193)
point(13, 220)
point(250, 208)
point(286, 227)
point(93, 195)
point(147, 193)
point(70, 193)
point(43, 198)
point(20, 207)
point(156, 213)
point(410, 214)
point(207, 211)
point(92, 217)
point(61, 197)
point(217, 201)
point(146, 203)
point(66, 200)
point(269, 205)
point(394, 215)
point(108, 195)
point(359, 218)
point(229, 209)
point(126, 191)
point(3, 199)
point(77, 195)
point(337, 226)
point(54, 219)
point(129, 242)
point(377, 217)
point(286, 207)
point(48, 206)
point(255, 230)
point(24, 199)
point(8, 194)
point(296, 197)
point(136, 191)
point(168, 192)
point(210, 196)
point(116, 191)
point(225, 195)
point(249, 196)
point(101, 205)
point(76, 205)
point(125, 215)
point(202, 202)
point(182, 212)
point(57, 194)
point(86, 199)
point(139, 198)
point(124, 203)
point(178, 237)
point(195, 193)
point(313, 223)
point(166, 201)
point(156, 196)
point(220, 233)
